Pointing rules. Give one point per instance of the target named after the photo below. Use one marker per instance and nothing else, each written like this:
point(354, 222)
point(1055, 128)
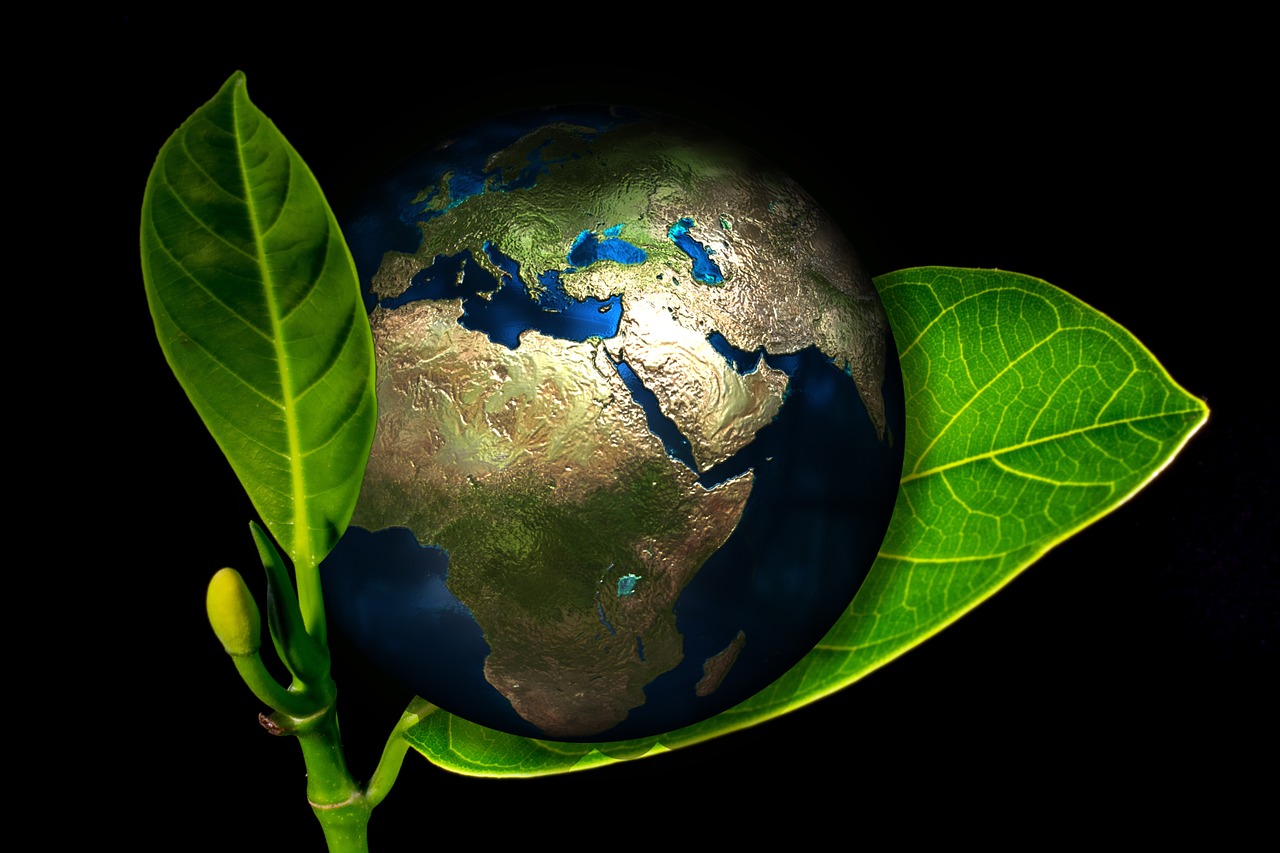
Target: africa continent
point(533, 460)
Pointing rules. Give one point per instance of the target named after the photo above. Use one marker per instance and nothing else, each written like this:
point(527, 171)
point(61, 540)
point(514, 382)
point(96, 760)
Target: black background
point(1123, 676)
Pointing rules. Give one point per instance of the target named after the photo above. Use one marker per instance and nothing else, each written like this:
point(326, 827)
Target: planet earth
point(640, 425)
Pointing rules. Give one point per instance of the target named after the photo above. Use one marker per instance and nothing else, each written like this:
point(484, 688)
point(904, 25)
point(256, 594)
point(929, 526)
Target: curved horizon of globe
point(656, 444)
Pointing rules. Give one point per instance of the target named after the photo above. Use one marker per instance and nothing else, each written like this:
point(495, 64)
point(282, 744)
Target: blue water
point(705, 270)
point(677, 446)
point(387, 218)
point(812, 527)
point(509, 311)
point(604, 620)
point(588, 248)
point(390, 594)
point(742, 361)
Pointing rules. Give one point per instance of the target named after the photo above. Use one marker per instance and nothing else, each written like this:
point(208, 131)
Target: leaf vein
point(979, 392)
point(216, 360)
point(195, 217)
point(314, 284)
point(334, 433)
point(990, 454)
point(198, 282)
point(285, 191)
point(1063, 483)
point(195, 161)
point(335, 355)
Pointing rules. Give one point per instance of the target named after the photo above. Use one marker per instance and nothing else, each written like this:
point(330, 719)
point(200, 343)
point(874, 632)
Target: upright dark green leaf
point(1029, 417)
point(257, 307)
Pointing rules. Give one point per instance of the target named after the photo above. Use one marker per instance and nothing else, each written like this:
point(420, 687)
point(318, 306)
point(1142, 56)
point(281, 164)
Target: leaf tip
point(237, 81)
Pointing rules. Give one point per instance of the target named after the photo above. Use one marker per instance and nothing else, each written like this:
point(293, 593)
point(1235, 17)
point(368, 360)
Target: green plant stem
point(393, 753)
point(336, 799)
point(263, 685)
point(311, 602)
point(307, 709)
point(339, 803)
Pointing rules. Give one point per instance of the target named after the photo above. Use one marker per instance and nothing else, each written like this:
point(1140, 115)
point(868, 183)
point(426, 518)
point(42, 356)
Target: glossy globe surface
point(639, 431)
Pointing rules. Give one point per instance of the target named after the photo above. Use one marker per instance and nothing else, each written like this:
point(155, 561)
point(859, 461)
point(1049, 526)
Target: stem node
point(272, 727)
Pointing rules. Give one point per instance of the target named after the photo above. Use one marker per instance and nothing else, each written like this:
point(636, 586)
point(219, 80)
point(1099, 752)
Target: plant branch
point(269, 691)
point(388, 769)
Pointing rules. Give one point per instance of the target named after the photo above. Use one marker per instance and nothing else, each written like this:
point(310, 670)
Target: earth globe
point(640, 425)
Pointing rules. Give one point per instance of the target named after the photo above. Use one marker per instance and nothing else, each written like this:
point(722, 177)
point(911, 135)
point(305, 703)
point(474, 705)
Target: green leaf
point(1029, 417)
point(257, 307)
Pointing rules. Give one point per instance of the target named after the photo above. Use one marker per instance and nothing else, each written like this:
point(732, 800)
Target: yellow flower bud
point(233, 613)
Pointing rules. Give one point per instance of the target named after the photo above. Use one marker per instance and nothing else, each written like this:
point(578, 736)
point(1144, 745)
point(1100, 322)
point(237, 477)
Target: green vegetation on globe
point(636, 433)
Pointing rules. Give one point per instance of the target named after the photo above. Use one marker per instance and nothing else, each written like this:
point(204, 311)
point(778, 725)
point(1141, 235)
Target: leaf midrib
point(991, 454)
point(302, 549)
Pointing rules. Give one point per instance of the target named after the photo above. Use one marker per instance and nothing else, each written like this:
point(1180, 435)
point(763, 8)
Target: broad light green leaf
point(1029, 416)
point(257, 307)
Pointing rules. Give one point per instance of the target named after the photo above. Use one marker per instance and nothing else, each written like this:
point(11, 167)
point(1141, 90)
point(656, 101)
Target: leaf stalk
point(388, 769)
